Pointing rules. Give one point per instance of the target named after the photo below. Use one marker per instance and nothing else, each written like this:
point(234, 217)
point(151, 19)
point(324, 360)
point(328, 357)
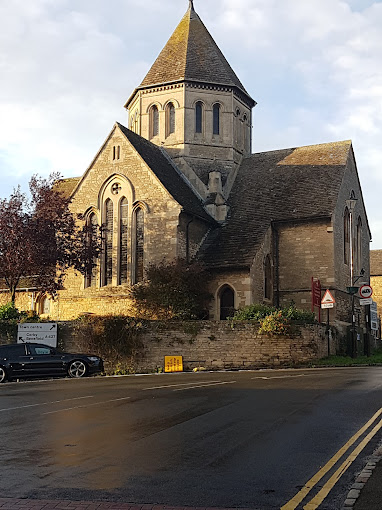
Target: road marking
point(319, 498)
point(45, 403)
point(172, 386)
point(280, 377)
point(296, 500)
point(87, 405)
point(204, 385)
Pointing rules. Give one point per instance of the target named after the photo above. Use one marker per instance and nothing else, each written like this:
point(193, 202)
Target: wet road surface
point(233, 439)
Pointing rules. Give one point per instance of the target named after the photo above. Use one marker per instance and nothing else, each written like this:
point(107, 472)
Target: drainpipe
point(277, 265)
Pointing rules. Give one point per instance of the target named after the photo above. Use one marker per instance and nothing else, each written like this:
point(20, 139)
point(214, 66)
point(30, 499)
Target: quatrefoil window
point(116, 188)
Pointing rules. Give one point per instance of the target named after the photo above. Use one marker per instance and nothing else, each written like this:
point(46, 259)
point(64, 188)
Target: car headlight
point(93, 358)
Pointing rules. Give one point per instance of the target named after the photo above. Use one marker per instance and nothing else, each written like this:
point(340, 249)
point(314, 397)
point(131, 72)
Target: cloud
point(68, 66)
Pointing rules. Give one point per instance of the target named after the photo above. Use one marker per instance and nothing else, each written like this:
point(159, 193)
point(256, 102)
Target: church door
point(227, 303)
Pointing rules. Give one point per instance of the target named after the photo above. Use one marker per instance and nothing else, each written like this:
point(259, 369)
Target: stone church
point(181, 181)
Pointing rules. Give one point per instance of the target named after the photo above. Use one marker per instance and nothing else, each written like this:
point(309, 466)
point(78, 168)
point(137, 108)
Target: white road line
point(279, 377)
point(87, 405)
point(45, 403)
point(172, 386)
point(204, 385)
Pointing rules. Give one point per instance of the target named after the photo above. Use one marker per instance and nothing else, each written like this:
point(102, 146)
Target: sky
point(67, 68)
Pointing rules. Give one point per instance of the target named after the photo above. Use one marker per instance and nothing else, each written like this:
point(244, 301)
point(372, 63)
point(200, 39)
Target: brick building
point(181, 181)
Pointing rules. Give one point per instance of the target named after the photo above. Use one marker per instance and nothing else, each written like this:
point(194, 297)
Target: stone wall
point(216, 345)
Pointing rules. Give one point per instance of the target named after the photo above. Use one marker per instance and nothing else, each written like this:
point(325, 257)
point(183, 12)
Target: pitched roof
point(375, 262)
point(191, 54)
point(171, 178)
point(66, 186)
point(289, 184)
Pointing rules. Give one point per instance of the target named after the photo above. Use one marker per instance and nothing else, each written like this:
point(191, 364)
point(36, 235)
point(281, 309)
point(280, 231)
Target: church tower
point(192, 103)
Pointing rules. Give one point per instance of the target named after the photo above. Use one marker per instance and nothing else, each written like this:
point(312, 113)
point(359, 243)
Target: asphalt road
point(230, 439)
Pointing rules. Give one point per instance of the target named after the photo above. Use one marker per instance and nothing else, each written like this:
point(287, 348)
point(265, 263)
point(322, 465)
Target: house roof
point(375, 262)
point(171, 178)
point(67, 186)
point(291, 184)
point(191, 54)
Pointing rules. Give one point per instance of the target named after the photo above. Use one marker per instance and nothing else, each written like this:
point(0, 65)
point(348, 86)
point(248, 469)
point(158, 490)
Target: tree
point(173, 290)
point(41, 239)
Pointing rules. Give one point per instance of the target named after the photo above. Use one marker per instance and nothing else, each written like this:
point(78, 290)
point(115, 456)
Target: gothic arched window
point(154, 121)
point(199, 117)
point(359, 245)
point(170, 119)
point(346, 236)
point(216, 119)
point(227, 302)
point(139, 246)
point(91, 274)
point(108, 244)
point(267, 278)
point(123, 240)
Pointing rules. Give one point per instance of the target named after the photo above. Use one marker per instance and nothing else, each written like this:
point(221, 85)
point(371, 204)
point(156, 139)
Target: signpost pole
point(328, 329)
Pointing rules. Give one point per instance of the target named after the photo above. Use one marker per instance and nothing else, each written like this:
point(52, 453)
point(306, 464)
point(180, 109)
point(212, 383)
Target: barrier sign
point(40, 332)
point(173, 363)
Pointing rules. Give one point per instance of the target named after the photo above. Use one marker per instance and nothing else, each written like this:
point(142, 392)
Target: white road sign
point(365, 291)
point(328, 300)
point(366, 301)
point(41, 332)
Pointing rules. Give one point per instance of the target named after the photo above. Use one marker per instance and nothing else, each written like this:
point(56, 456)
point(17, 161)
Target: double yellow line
point(321, 495)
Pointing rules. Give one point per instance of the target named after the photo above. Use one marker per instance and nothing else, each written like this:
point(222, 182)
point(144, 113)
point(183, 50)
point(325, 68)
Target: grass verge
point(347, 361)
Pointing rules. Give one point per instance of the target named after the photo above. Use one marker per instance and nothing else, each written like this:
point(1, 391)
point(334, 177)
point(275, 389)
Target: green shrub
point(253, 312)
point(295, 314)
point(275, 324)
point(9, 312)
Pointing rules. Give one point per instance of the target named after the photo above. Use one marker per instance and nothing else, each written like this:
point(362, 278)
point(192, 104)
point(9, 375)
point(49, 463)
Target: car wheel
point(3, 375)
point(77, 369)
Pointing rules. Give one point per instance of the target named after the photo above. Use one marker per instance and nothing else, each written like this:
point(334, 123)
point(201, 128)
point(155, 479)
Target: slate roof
point(292, 184)
point(26, 282)
point(191, 54)
point(167, 173)
point(375, 262)
point(67, 186)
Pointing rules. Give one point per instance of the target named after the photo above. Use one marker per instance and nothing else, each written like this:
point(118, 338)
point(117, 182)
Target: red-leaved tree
point(41, 239)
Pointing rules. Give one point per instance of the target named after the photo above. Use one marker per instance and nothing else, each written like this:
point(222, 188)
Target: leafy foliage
point(40, 238)
point(115, 338)
point(9, 312)
point(274, 321)
point(173, 290)
point(275, 324)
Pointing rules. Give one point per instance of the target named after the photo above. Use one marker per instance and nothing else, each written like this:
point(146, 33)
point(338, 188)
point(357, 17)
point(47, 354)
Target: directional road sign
point(41, 332)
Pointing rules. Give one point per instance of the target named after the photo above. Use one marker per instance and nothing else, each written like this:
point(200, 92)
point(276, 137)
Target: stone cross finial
point(191, 6)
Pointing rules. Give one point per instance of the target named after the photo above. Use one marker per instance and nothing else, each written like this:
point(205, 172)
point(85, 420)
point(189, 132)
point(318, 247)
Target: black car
point(31, 359)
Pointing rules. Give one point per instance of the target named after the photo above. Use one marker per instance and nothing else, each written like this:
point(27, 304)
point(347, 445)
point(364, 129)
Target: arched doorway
point(227, 302)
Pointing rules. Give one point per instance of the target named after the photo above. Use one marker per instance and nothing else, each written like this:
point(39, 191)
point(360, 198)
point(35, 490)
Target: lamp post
point(351, 203)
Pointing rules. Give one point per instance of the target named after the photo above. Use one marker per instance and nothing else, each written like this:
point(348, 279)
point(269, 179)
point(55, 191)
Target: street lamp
point(351, 203)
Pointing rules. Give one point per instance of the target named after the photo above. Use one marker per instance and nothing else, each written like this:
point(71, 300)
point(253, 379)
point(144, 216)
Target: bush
point(9, 312)
point(173, 290)
point(275, 324)
point(253, 312)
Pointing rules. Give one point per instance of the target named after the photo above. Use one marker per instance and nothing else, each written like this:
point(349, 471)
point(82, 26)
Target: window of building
point(108, 243)
point(267, 278)
point(170, 119)
point(123, 240)
point(216, 119)
point(45, 305)
point(346, 236)
point(359, 245)
point(154, 121)
point(139, 245)
point(116, 152)
point(227, 302)
point(92, 223)
point(199, 117)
